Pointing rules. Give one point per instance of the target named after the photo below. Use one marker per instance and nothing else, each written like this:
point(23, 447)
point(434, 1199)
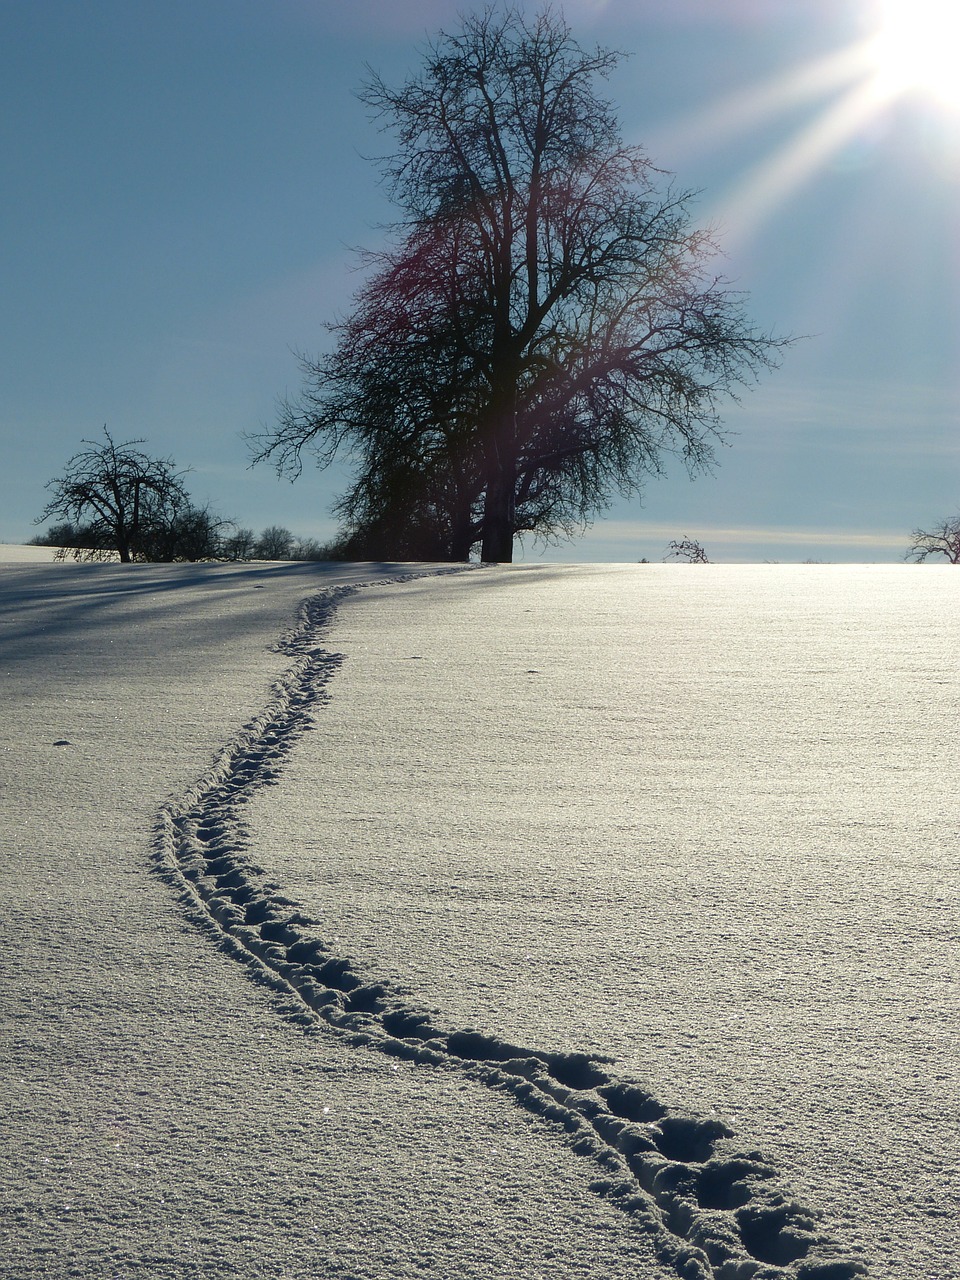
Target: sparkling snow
point(699, 819)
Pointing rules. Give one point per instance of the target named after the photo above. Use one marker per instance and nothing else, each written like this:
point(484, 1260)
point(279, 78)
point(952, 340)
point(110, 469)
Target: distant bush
point(687, 549)
point(278, 543)
point(309, 549)
point(66, 534)
point(239, 545)
point(942, 540)
point(274, 543)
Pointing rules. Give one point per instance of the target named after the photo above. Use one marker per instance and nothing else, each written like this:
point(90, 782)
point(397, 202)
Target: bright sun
point(917, 49)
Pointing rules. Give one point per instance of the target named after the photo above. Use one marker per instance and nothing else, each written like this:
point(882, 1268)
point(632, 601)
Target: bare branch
point(942, 540)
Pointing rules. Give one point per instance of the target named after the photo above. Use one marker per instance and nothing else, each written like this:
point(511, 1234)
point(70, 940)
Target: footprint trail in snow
point(713, 1211)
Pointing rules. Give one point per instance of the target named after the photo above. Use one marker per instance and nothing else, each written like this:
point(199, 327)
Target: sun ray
point(761, 191)
point(911, 47)
point(757, 104)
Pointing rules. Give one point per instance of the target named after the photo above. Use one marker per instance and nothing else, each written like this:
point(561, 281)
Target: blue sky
point(185, 184)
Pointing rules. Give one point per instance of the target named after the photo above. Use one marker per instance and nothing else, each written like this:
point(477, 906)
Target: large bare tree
point(546, 327)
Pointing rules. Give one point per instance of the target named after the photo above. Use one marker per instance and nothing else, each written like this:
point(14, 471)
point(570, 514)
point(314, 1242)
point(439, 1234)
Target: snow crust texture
point(695, 818)
point(158, 1118)
point(713, 1208)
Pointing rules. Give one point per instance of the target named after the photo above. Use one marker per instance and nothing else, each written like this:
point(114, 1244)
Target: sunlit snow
point(697, 819)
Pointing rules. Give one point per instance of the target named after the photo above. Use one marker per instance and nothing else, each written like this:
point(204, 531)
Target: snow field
point(694, 818)
point(706, 1215)
point(160, 1115)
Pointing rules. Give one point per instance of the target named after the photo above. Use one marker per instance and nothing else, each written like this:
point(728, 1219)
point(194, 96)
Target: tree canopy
point(545, 326)
point(116, 498)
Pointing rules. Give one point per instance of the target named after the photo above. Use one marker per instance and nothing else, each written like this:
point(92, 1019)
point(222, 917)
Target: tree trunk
point(461, 543)
point(500, 496)
point(462, 529)
point(499, 517)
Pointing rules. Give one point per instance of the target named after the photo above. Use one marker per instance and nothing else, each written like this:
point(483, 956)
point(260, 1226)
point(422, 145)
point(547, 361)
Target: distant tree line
point(116, 501)
point(224, 542)
point(113, 499)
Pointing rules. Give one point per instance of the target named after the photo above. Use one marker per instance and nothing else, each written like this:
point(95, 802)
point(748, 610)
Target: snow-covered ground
point(10, 553)
point(699, 820)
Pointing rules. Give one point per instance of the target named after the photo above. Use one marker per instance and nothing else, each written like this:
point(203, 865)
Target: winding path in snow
point(711, 1216)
